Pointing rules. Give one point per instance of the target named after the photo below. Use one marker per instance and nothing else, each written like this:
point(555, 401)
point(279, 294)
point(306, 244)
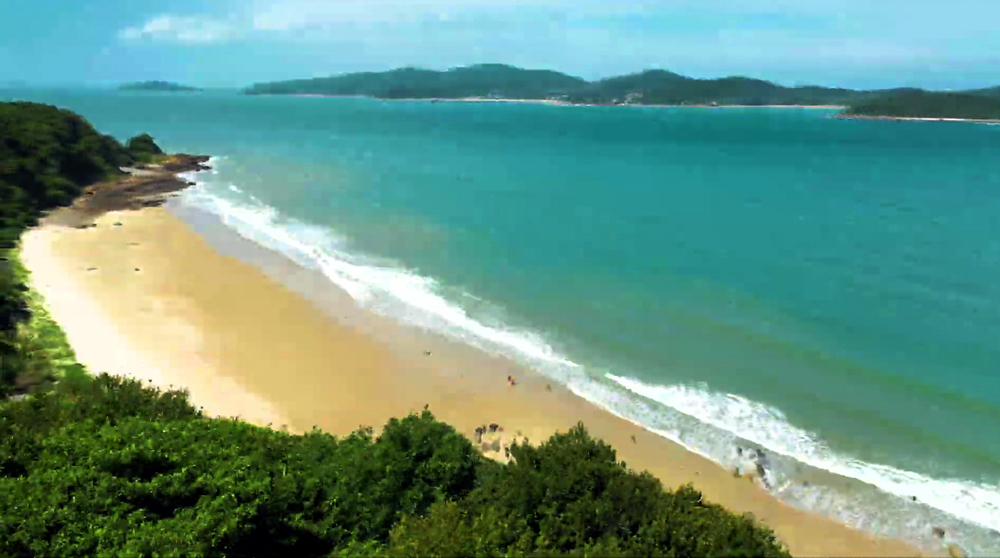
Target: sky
point(936, 44)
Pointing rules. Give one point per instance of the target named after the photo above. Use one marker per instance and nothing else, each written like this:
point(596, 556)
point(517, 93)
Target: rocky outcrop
point(142, 186)
point(752, 464)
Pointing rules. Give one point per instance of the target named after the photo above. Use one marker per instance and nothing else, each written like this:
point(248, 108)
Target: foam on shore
point(872, 497)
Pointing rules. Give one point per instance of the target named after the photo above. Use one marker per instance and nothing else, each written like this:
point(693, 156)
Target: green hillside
point(488, 80)
point(47, 156)
point(658, 87)
point(652, 87)
point(927, 104)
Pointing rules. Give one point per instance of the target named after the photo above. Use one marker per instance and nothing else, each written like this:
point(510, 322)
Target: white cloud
point(283, 15)
point(182, 29)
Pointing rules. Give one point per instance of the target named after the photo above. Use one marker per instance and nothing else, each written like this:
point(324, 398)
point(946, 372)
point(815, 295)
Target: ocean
point(824, 291)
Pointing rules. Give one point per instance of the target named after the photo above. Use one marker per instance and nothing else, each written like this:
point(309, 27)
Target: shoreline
point(914, 119)
point(284, 360)
point(550, 102)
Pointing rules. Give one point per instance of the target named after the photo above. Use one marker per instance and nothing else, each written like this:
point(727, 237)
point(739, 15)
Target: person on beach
point(511, 381)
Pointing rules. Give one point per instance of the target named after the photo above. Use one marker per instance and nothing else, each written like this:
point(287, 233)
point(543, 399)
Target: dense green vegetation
point(143, 148)
point(47, 156)
point(107, 467)
point(99, 466)
point(157, 86)
point(485, 80)
point(653, 87)
point(926, 104)
point(659, 87)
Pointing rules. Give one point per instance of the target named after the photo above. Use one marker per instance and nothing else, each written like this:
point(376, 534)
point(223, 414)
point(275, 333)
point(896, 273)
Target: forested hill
point(47, 156)
point(486, 80)
point(659, 87)
point(652, 87)
point(927, 104)
point(157, 86)
point(507, 82)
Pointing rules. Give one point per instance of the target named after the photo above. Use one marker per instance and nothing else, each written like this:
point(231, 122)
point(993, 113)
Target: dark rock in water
point(938, 532)
point(192, 183)
point(494, 426)
point(91, 269)
point(427, 353)
point(137, 269)
point(118, 224)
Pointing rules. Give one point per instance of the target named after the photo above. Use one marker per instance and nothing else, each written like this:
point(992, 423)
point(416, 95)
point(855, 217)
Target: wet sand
point(154, 299)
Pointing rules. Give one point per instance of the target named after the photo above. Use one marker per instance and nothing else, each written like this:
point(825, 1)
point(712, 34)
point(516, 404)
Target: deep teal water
point(825, 290)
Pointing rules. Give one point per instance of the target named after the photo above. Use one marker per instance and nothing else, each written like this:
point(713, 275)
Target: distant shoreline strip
point(916, 118)
point(539, 102)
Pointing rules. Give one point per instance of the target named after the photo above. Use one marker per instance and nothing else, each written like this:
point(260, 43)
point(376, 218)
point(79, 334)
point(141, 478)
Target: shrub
point(143, 148)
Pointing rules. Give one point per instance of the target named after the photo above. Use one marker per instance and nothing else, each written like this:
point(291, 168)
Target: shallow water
point(824, 290)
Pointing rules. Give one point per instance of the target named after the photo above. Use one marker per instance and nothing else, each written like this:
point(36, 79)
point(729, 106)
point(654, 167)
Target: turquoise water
point(824, 290)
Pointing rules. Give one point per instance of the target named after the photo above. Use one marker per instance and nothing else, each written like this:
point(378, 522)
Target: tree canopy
point(108, 467)
point(651, 87)
point(47, 156)
point(926, 104)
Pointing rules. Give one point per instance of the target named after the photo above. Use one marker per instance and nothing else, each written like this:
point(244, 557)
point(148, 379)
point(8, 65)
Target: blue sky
point(854, 43)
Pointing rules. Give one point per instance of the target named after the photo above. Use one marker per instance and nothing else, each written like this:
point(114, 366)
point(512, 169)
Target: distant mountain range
point(486, 80)
point(652, 87)
point(157, 86)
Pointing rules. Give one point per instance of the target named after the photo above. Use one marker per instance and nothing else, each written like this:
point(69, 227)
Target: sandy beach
point(915, 119)
point(143, 294)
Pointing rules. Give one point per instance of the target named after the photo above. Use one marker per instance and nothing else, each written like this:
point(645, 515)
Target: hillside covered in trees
point(652, 87)
point(47, 156)
point(99, 466)
point(927, 104)
point(487, 80)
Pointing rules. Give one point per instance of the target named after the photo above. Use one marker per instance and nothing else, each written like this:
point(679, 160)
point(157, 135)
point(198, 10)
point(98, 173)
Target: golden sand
point(150, 298)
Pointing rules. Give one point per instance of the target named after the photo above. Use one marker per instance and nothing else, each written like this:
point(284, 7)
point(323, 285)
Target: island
point(505, 83)
point(165, 86)
point(930, 105)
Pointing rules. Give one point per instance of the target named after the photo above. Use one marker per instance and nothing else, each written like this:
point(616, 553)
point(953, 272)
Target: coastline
point(550, 102)
point(129, 295)
point(914, 119)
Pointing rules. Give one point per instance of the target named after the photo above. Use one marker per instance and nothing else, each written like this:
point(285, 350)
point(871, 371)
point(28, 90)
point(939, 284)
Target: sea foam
point(709, 423)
